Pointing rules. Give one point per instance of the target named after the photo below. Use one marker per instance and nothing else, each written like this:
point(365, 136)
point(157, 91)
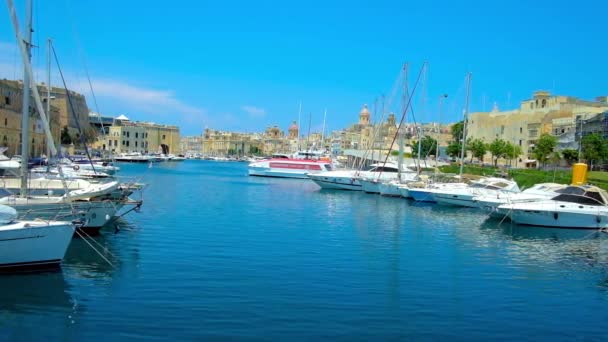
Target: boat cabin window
point(579, 195)
point(382, 169)
point(328, 167)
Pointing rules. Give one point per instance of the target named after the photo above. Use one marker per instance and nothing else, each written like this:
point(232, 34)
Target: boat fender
point(76, 167)
point(555, 215)
point(598, 218)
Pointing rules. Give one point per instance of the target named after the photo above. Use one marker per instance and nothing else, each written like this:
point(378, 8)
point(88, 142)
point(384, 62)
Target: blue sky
point(245, 65)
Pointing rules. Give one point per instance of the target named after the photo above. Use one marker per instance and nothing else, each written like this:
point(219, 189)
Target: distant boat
point(288, 167)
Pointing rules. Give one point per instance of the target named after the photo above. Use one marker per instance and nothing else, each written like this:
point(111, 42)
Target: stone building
point(63, 104)
point(145, 137)
point(11, 99)
point(543, 113)
point(191, 145)
point(221, 143)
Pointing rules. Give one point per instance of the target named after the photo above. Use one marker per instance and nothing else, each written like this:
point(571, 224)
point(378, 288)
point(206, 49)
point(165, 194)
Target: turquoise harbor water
point(217, 254)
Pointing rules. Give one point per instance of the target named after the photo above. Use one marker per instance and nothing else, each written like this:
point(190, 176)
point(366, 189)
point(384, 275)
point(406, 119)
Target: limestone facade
point(11, 100)
point(127, 136)
point(543, 113)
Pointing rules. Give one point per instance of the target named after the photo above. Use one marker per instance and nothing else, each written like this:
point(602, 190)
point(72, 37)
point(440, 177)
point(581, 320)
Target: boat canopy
point(584, 194)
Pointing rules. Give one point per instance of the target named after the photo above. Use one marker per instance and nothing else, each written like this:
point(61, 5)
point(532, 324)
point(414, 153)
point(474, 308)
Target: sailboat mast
point(441, 99)
point(25, 109)
point(299, 125)
point(464, 125)
point(48, 92)
point(323, 131)
point(399, 128)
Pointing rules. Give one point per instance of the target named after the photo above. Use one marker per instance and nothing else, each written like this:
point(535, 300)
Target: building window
point(124, 133)
point(136, 135)
point(136, 142)
point(123, 143)
point(521, 130)
point(115, 142)
point(127, 143)
point(7, 100)
point(128, 134)
point(520, 143)
point(543, 103)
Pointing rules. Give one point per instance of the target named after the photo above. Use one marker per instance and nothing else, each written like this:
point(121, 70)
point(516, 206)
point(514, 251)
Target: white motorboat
point(337, 180)
point(372, 179)
point(425, 194)
point(135, 158)
point(288, 167)
point(31, 244)
point(490, 203)
point(574, 207)
point(463, 197)
point(93, 214)
point(69, 172)
point(390, 188)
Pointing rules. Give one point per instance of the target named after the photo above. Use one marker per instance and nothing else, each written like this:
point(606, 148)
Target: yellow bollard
point(579, 174)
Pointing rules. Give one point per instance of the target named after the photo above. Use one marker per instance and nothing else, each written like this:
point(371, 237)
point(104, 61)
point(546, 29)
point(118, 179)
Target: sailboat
point(94, 205)
point(30, 244)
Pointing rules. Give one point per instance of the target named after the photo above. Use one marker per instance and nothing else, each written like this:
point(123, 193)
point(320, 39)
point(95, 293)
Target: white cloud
point(145, 99)
point(114, 95)
point(253, 111)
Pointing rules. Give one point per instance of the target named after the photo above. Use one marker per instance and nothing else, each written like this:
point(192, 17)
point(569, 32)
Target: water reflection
point(85, 262)
point(34, 293)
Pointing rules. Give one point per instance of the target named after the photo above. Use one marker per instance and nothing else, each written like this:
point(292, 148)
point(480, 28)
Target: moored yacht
point(576, 206)
point(31, 244)
point(464, 197)
point(288, 167)
point(541, 191)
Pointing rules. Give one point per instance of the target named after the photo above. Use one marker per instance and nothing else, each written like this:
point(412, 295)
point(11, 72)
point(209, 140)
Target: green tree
point(512, 152)
point(428, 147)
point(544, 147)
point(456, 130)
point(66, 138)
point(478, 149)
point(453, 149)
point(498, 149)
point(594, 149)
point(254, 150)
point(570, 155)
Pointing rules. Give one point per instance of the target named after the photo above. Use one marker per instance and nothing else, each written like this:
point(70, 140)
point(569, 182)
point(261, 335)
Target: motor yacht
point(576, 206)
point(484, 187)
point(541, 191)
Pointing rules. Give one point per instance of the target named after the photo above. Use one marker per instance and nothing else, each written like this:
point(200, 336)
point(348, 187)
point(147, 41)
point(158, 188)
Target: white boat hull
point(390, 189)
point(94, 214)
point(336, 183)
point(461, 200)
point(370, 186)
point(404, 191)
point(422, 195)
point(34, 244)
point(560, 219)
point(263, 172)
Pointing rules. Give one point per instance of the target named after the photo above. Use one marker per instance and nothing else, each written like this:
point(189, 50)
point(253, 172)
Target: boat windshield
point(579, 195)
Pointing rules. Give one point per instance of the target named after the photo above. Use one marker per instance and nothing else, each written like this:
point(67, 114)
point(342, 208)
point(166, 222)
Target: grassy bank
point(525, 178)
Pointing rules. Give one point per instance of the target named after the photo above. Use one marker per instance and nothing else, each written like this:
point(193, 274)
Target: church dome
point(364, 111)
point(293, 127)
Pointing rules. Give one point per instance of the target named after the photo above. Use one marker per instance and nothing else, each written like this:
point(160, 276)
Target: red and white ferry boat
point(289, 167)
